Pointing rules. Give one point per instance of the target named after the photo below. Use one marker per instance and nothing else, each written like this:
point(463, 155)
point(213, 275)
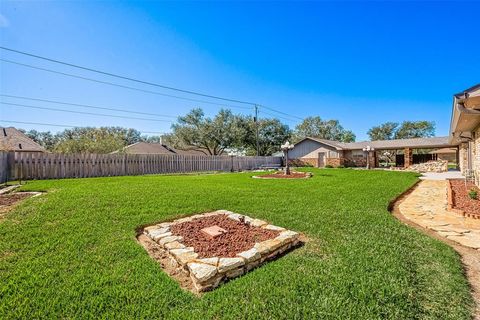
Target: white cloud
point(3, 21)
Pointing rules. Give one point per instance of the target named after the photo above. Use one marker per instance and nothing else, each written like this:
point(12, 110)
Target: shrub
point(328, 166)
point(341, 166)
point(473, 194)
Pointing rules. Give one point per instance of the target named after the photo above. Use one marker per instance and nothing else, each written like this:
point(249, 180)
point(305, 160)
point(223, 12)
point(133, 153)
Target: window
point(357, 154)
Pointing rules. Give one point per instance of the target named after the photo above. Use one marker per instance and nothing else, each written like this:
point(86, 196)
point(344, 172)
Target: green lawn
point(72, 252)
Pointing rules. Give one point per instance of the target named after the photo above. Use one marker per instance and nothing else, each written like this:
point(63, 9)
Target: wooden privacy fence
point(3, 166)
point(39, 165)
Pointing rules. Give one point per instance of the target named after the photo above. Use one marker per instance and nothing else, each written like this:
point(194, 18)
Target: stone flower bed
point(205, 250)
point(281, 175)
point(459, 201)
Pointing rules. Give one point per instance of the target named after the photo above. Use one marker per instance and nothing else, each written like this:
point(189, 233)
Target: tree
point(212, 136)
point(324, 129)
point(385, 131)
point(407, 130)
point(92, 140)
point(44, 138)
point(271, 134)
point(415, 129)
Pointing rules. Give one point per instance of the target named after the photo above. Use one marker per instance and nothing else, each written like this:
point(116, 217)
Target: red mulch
point(240, 236)
point(10, 199)
point(281, 175)
point(461, 200)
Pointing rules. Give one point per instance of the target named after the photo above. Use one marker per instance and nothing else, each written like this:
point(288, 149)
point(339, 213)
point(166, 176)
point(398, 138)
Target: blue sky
point(362, 63)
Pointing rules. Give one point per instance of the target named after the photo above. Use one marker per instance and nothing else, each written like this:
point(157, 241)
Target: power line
point(81, 112)
point(253, 104)
point(286, 114)
point(87, 106)
point(119, 85)
point(277, 116)
point(126, 78)
point(63, 125)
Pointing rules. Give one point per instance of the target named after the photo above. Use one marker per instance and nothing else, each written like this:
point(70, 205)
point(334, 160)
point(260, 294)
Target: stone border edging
point(9, 189)
point(208, 273)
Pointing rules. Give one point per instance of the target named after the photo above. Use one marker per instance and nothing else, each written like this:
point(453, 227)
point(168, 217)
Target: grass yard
point(72, 252)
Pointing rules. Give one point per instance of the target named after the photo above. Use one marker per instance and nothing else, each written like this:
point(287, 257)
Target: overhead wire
point(81, 112)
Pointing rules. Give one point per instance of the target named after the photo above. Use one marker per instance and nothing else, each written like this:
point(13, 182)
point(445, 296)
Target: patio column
point(408, 157)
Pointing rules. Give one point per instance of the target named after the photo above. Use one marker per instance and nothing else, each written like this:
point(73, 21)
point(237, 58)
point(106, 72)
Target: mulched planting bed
point(10, 199)
point(241, 236)
point(281, 175)
point(204, 250)
point(461, 200)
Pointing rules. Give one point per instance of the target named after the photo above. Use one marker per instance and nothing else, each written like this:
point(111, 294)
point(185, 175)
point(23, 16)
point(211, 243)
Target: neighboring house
point(321, 152)
point(156, 148)
point(465, 130)
point(12, 139)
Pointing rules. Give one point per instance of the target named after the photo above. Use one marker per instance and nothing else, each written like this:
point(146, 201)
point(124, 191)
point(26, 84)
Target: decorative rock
point(159, 236)
point(235, 273)
point(262, 248)
point(273, 228)
point(218, 212)
point(186, 219)
point(287, 236)
point(155, 232)
point(272, 244)
point(184, 255)
point(174, 245)
point(165, 240)
point(258, 223)
point(226, 264)
point(252, 265)
point(250, 255)
point(213, 261)
point(202, 272)
point(164, 224)
point(235, 216)
point(150, 228)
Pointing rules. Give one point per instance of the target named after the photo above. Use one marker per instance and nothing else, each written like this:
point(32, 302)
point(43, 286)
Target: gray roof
point(12, 139)
point(435, 142)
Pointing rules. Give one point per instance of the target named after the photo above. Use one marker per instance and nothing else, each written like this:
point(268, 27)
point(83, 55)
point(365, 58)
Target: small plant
point(328, 166)
point(473, 194)
point(341, 166)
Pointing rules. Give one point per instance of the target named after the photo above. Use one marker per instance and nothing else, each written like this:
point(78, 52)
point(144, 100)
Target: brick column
point(408, 157)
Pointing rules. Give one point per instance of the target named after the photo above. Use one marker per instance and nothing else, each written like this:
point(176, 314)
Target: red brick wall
point(304, 162)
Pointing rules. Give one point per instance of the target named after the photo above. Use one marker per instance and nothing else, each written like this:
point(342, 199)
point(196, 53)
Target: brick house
point(465, 130)
point(320, 152)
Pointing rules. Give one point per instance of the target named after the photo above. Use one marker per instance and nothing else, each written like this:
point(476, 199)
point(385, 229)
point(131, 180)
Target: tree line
point(225, 132)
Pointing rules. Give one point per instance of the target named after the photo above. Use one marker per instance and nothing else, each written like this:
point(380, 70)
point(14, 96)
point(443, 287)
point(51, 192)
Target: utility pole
point(255, 119)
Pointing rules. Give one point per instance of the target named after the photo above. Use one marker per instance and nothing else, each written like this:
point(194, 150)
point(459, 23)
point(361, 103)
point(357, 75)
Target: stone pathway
point(427, 207)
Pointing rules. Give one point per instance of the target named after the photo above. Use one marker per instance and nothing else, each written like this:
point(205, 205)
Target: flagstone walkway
point(427, 207)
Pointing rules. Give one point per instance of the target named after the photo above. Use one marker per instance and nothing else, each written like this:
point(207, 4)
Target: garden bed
point(281, 175)
point(204, 250)
point(459, 199)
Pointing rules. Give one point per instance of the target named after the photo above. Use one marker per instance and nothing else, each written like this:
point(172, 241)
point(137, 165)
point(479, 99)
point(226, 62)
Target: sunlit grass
point(72, 252)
